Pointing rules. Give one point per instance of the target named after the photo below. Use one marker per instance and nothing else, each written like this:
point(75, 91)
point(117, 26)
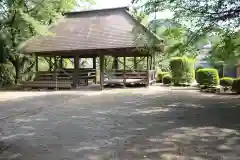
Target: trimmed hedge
point(182, 69)
point(207, 77)
point(236, 85)
point(226, 81)
point(160, 76)
point(167, 79)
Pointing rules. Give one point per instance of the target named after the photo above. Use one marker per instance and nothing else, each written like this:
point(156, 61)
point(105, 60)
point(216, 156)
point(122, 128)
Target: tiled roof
point(89, 30)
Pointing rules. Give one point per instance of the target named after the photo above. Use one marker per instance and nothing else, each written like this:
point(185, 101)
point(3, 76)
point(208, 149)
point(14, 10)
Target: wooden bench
point(130, 77)
point(47, 84)
point(62, 78)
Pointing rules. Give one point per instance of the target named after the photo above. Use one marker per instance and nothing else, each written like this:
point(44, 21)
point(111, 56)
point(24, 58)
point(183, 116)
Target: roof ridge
point(96, 10)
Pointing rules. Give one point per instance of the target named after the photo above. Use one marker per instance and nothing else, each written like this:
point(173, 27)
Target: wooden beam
point(142, 58)
point(101, 72)
point(124, 65)
point(121, 52)
point(75, 73)
point(95, 67)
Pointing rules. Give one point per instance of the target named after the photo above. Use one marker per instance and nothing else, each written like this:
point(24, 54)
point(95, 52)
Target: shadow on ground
point(169, 125)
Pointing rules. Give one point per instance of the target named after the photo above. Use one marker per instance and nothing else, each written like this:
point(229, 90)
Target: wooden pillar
point(50, 64)
point(115, 63)
point(36, 60)
point(105, 63)
point(101, 72)
point(151, 61)
point(147, 62)
point(61, 62)
point(55, 68)
point(135, 63)
point(55, 62)
point(95, 68)
point(124, 63)
point(75, 73)
point(154, 61)
point(148, 78)
point(124, 71)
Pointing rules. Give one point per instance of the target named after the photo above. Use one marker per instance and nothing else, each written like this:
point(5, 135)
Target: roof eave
point(145, 28)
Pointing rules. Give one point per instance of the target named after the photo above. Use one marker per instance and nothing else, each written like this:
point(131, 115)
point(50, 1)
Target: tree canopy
point(214, 21)
point(211, 13)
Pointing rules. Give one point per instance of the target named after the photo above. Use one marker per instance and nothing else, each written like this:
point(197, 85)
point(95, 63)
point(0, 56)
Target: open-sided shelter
point(92, 34)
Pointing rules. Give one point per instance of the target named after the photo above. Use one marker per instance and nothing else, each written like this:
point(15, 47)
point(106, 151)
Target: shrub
point(167, 79)
point(226, 81)
point(182, 70)
point(160, 76)
point(236, 85)
point(208, 77)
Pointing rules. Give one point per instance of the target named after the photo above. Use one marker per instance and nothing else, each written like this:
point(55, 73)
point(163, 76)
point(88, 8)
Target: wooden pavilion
point(93, 34)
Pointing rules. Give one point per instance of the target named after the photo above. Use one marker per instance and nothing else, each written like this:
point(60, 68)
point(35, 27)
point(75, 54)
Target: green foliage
point(177, 42)
point(20, 20)
point(6, 74)
point(226, 48)
point(160, 76)
point(226, 81)
point(167, 79)
point(196, 75)
point(236, 85)
point(208, 77)
point(205, 14)
point(182, 69)
point(216, 21)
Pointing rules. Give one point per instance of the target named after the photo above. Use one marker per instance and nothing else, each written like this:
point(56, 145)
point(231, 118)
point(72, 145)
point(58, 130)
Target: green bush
point(160, 76)
point(207, 77)
point(226, 81)
point(182, 69)
point(236, 85)
point(167, 79)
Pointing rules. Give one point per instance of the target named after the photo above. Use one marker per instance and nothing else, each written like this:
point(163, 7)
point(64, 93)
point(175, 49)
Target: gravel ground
point(125, 124)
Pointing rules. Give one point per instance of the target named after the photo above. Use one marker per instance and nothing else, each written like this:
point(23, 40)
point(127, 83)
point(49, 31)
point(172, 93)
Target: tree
point(225, 47)
point(175, 36)
point(207, 13)
point(20, 20)
point(216, 21)
point(199, 16)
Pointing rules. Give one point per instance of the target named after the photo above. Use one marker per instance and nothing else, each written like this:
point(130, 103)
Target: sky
point(111, 3)
point(119, 3)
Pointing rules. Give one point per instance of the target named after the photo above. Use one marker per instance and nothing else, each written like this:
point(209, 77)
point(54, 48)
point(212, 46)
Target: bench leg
point(86, 82)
